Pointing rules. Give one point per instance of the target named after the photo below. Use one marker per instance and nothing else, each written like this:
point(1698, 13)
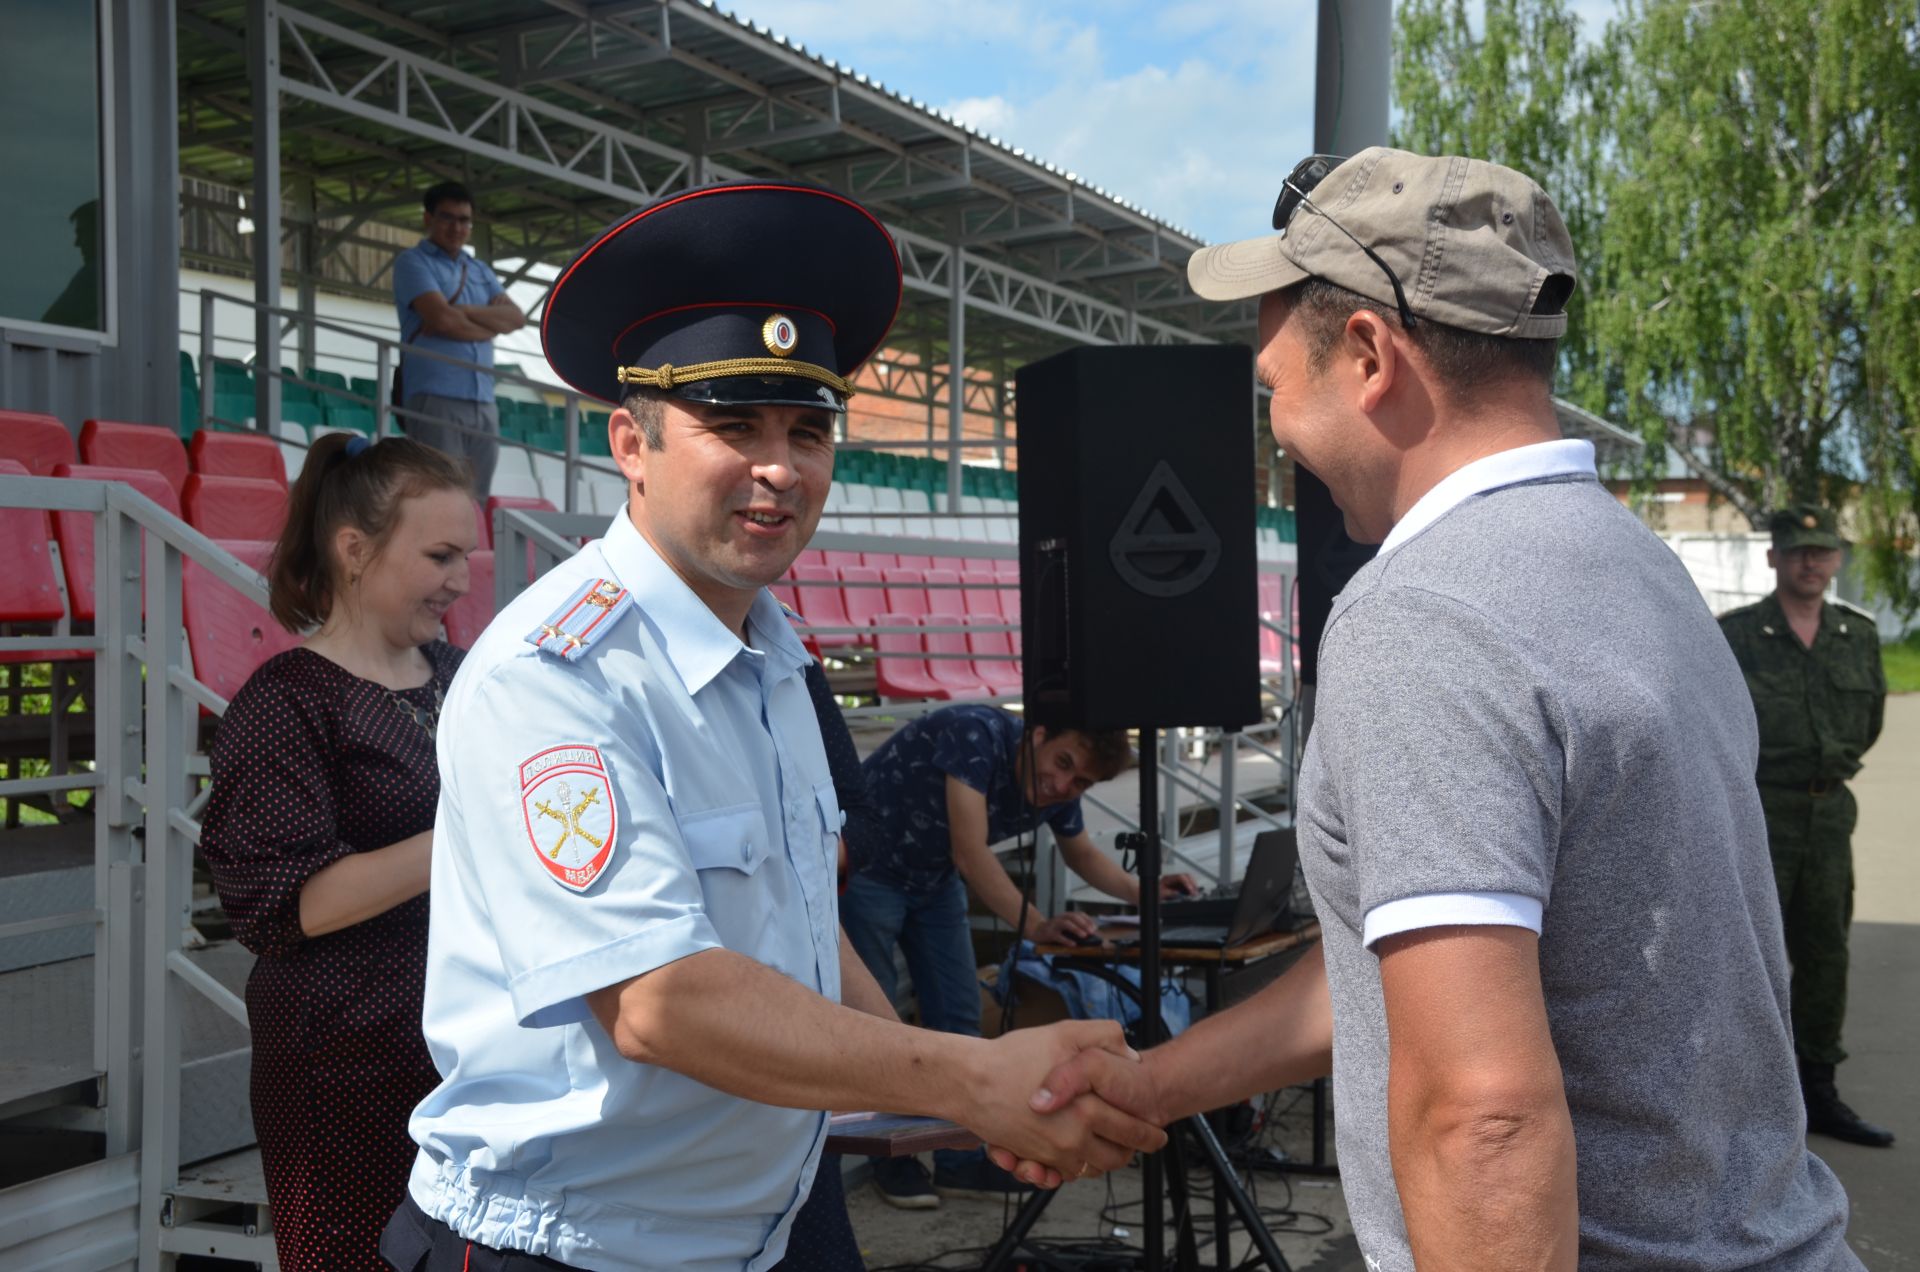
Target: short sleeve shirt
point(907, 843)
point(695, 761)
point(462, 280)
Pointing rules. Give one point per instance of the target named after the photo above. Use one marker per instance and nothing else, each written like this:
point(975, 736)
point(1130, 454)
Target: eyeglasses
point(1307, 174)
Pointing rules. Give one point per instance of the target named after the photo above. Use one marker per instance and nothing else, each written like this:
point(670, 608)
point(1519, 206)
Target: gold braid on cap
point(666, 375)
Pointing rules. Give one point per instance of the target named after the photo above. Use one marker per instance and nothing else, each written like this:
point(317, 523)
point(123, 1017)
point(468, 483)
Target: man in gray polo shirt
point(1552, 985)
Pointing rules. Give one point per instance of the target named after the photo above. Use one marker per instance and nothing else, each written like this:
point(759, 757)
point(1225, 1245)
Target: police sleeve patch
point(566, 801)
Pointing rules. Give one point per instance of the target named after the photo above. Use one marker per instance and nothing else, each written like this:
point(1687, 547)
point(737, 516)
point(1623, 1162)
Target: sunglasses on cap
point(1294, 192)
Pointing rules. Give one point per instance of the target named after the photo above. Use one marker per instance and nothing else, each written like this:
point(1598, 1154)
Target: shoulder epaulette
point(588, 614)
point(1856, 610)
point(1740, 611)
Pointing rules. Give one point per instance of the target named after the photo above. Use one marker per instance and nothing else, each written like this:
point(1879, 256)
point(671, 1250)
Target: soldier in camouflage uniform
point(1813, 666)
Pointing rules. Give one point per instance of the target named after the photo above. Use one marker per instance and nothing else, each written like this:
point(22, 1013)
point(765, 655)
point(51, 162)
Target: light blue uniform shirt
point(541, 1137)
point(426, 268)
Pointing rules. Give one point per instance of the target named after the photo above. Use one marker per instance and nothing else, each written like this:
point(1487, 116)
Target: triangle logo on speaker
point(1164, 545)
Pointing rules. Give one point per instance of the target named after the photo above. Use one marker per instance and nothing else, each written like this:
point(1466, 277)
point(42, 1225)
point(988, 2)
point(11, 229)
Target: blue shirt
point(906, 843)
point(697, 761)
point(424, 268)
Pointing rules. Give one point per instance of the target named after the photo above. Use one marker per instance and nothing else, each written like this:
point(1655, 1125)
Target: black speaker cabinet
point(1138, 598)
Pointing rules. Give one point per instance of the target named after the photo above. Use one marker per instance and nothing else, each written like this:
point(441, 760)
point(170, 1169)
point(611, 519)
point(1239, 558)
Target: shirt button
point(746, 852)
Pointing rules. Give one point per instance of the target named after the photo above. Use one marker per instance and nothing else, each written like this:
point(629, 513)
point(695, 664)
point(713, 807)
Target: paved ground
point(1883, 1034)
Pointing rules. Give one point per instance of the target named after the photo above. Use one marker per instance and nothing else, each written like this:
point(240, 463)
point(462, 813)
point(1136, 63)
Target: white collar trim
point(1564, 458)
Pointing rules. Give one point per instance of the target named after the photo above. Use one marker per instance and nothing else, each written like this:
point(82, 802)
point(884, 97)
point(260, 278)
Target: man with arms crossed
point(1552, 986)
point(635, 971)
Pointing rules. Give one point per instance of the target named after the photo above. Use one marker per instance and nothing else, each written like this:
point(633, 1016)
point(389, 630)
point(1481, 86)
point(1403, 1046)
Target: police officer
point(1813, 665)
point(635, 966)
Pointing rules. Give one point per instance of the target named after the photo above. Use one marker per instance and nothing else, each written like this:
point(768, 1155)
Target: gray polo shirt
point(1529, 700)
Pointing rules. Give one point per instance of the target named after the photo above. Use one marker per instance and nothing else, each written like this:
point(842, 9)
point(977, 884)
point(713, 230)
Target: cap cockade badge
point(780, 335)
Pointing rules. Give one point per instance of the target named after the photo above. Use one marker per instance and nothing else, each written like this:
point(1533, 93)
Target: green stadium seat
point(331, 379)
point(340, 413)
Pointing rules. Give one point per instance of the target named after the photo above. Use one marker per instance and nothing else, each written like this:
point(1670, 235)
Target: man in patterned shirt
point(942, 790)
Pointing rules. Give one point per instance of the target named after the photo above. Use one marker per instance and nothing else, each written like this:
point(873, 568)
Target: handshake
point(1061, 1102)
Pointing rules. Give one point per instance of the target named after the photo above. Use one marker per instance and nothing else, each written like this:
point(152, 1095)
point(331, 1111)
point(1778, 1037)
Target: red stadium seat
point(818, 597)
point(809, 557)
point(906, 592)
point(247, 508)
point(29, 588)
point(835, 558)
point(470, 614)
point(229, 634)
point(110, 444)
point(512, 501)
point(909, 562)
point(1270, 593)
point(954, 673)
point(238, 455)
point(861, 597)
point(899, 670)
point(943, 591)
point(40, 443)
point(993, 660)
point(73, 531)
point(879, 560)
point(979, 594)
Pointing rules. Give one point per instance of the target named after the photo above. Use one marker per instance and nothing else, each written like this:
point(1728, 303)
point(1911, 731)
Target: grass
point(1902, 661)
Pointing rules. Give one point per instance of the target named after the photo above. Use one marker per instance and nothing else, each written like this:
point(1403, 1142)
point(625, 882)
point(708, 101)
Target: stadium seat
point(29, 590)
point(73, 531)
point(980, 594)
point(862, 596)
point(954, 672)
point(906, 592)
point(899, 669)
point(111, 444)
point(879, 560)
point(818, 597)
point(809, 557)
point(839, 557)
point(229, 634)
point(249, 508)
point(40, 443)
point(470, 614)
point(910, 562)
point(943, 590)
point(237, 455)
point(993, 660)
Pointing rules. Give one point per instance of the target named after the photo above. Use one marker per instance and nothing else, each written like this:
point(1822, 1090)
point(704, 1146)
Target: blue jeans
point(932, 930)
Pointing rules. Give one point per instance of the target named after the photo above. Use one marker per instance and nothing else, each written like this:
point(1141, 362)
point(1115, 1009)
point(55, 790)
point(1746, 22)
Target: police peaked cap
point(749, 292)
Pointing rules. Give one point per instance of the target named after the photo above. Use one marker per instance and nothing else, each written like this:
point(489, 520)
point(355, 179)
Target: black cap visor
point(762, 390)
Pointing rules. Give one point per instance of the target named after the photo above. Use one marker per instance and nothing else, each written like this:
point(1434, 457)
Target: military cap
point(747, 292)
point(1804, 526)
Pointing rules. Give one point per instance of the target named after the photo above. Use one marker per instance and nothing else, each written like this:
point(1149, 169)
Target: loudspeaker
point(1328, 562)
point(1138, 598)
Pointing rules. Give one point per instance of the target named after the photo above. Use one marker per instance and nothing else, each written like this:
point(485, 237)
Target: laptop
point(1261, 907)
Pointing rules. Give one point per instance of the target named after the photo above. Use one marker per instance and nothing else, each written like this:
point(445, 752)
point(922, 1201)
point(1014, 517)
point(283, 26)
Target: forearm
point(364, 884)
point(498, 319)
point(858, 989)
point(988, 880)
point(740, 1027)
point(1280, 1037)
point(1486, 1184)
point(453, 324)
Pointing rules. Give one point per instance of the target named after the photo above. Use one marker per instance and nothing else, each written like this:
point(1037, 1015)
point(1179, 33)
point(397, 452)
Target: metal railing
point(386, 352)
point(146, 705)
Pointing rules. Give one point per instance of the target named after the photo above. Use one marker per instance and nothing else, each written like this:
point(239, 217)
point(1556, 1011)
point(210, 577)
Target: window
point(53, 209)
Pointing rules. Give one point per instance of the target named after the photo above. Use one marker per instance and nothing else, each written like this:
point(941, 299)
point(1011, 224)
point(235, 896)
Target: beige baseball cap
point(1474, 245)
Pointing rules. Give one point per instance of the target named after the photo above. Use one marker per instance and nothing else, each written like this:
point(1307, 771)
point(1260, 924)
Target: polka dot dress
point(312, 763)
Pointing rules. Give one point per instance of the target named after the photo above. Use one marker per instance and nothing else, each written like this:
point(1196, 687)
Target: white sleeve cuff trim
point(1448, 909)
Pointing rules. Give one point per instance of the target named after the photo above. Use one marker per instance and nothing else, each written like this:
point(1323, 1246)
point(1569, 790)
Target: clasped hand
point(1110, 1087)
point(1067, 1136)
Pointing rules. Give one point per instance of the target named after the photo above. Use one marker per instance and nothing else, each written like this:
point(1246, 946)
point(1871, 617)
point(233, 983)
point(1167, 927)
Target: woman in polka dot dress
point(319, 833)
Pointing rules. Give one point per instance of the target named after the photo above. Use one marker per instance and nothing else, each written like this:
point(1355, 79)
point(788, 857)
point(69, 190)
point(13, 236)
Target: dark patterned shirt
point(905, 842)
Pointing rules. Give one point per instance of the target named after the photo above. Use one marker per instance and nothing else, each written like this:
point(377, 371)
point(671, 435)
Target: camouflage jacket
point(1819, 708)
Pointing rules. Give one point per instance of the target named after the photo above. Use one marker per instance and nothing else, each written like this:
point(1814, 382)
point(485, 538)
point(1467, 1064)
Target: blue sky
point(1190, 109)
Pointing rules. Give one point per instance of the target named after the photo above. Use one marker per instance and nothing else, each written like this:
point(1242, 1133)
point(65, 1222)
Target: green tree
point(1740, 180)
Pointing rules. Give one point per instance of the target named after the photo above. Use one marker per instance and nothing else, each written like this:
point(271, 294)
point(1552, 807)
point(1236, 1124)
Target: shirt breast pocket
point(732, 839)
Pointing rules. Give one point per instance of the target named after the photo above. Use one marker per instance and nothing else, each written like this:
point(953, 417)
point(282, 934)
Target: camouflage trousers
point(1811, 837)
